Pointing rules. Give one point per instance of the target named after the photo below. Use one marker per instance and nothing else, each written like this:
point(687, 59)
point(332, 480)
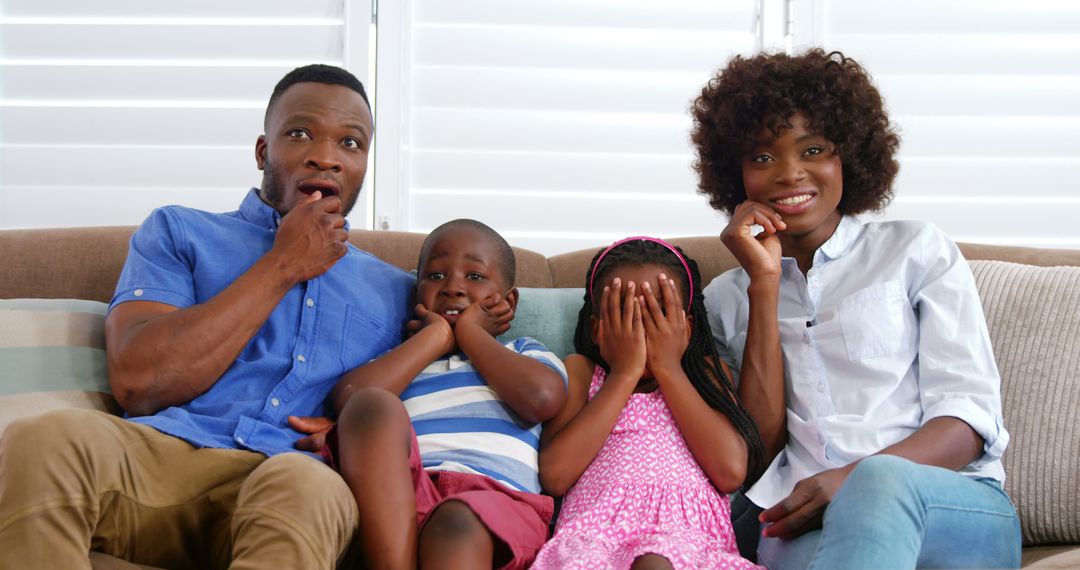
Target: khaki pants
point(72, 481)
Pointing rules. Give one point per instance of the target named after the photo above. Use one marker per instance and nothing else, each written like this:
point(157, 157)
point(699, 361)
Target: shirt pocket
point(877, 321)
point(363, 337)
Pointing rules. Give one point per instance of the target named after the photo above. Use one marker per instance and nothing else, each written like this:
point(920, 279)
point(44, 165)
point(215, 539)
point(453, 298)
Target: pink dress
point(643, 493)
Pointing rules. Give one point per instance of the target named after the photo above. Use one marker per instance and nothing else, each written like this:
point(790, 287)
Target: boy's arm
point(531, 388)
point(394, 370)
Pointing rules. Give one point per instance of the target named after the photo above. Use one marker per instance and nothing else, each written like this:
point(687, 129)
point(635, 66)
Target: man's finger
point(331, 204)
point(310, 424)
point(309, 198)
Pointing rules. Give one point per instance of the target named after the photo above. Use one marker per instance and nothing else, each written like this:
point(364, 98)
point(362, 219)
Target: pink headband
point(671, 248)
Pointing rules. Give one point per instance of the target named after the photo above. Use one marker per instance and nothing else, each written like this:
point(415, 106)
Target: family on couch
point(842, 377)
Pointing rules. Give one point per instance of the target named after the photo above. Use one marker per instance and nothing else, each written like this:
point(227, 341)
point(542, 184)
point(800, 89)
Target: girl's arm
point(571, 440)
point(534, 390)
point(761, 376)
point(716, 443)
point(394, 370)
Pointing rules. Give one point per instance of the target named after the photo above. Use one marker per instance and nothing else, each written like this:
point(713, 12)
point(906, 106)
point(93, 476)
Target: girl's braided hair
point(700, 361)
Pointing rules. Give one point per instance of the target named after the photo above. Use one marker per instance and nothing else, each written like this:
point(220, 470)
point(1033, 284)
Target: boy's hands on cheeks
point(492, 314)
point(621, 332)
point(426, 319)
point(311, 237)
point(802, 510)
point(759, 255)
point(666, 327)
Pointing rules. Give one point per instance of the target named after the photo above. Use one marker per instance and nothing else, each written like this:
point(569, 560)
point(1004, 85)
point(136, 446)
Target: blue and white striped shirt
point(462, 424)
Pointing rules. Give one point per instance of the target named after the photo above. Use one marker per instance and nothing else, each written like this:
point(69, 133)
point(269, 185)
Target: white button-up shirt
point(885, 332)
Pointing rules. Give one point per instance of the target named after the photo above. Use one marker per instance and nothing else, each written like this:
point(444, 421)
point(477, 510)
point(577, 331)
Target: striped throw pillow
point(1034, 321)
point(52, 355)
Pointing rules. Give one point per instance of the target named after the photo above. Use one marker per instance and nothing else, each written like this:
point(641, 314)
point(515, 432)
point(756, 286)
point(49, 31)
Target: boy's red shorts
point(520, 520)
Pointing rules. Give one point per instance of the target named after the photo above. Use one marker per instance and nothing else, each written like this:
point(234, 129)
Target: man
point(223, 326)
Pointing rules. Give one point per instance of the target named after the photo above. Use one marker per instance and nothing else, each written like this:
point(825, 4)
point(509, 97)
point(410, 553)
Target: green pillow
point(549, 316)
point(53, 355)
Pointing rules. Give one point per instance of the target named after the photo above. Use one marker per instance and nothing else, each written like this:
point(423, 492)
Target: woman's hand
point(803, 510)
point(620, 332)
point(758, 255)
point(667, 332)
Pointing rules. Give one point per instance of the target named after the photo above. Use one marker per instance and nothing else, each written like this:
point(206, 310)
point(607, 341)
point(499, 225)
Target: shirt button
point(275, 402)
point(301, 358)
point(138, 292)
point(310, 302)
point(821, 387)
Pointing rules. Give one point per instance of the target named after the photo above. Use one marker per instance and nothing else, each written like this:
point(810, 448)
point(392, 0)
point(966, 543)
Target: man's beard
point(273, 193)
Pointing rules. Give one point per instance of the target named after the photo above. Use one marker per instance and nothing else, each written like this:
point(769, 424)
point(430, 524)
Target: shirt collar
point(254, 210)
point(847, 232)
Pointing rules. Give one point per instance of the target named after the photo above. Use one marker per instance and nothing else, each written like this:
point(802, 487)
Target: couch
point(54, 284)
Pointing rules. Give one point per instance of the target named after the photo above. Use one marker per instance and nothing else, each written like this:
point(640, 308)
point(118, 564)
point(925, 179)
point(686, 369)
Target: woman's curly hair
point(835, 95)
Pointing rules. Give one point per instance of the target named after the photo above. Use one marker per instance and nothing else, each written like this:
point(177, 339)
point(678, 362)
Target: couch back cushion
point(549, 316)
point(1033, 314)
point(53, 354)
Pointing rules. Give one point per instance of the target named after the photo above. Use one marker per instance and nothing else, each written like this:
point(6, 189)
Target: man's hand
point(802, 510)
point(492, 314)
point(316, 427)
point(311, 237)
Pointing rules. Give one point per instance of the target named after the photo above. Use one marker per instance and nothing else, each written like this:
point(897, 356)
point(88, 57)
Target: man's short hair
point(316, 73)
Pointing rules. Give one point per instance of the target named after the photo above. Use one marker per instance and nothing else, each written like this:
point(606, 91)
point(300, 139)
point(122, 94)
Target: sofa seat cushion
point(53, 354)
point(1033, 314)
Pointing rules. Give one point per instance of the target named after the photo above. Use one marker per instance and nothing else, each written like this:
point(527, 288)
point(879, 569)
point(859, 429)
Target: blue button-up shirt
point(883, 334)
point(321, 328)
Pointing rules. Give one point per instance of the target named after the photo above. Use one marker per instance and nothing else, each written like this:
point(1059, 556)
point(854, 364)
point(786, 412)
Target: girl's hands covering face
point(620, 332)
point(759, 255)
point(667, 328)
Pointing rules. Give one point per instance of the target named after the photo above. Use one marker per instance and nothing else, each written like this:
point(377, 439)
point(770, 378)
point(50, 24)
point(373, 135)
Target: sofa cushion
point(1034, 321)
point(549, 316)
point(53, 354)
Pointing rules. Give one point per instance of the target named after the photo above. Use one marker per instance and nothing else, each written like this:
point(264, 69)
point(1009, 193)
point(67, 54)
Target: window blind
point(984, 94)
point(563, 124)
point(111, 108)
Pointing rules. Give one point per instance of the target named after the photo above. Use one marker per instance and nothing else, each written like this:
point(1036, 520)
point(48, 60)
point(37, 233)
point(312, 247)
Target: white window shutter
point(111, 108)
point(985, 96)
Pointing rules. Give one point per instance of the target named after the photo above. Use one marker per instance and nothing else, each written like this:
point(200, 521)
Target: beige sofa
point(1031, 298)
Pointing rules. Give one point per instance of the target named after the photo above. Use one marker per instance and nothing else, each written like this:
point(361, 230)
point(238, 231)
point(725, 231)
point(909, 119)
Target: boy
point(459, 486)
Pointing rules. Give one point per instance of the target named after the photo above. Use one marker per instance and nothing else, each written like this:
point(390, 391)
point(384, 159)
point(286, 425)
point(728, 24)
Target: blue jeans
point(894, 513)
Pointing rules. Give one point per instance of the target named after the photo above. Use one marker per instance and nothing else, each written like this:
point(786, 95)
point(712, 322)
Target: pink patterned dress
point(643, 494)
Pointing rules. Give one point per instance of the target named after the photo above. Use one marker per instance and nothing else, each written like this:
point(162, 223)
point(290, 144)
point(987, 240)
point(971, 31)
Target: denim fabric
point(893, 513)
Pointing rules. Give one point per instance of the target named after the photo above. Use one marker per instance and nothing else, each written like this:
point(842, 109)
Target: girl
point(652, 427)
point(885, 404)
